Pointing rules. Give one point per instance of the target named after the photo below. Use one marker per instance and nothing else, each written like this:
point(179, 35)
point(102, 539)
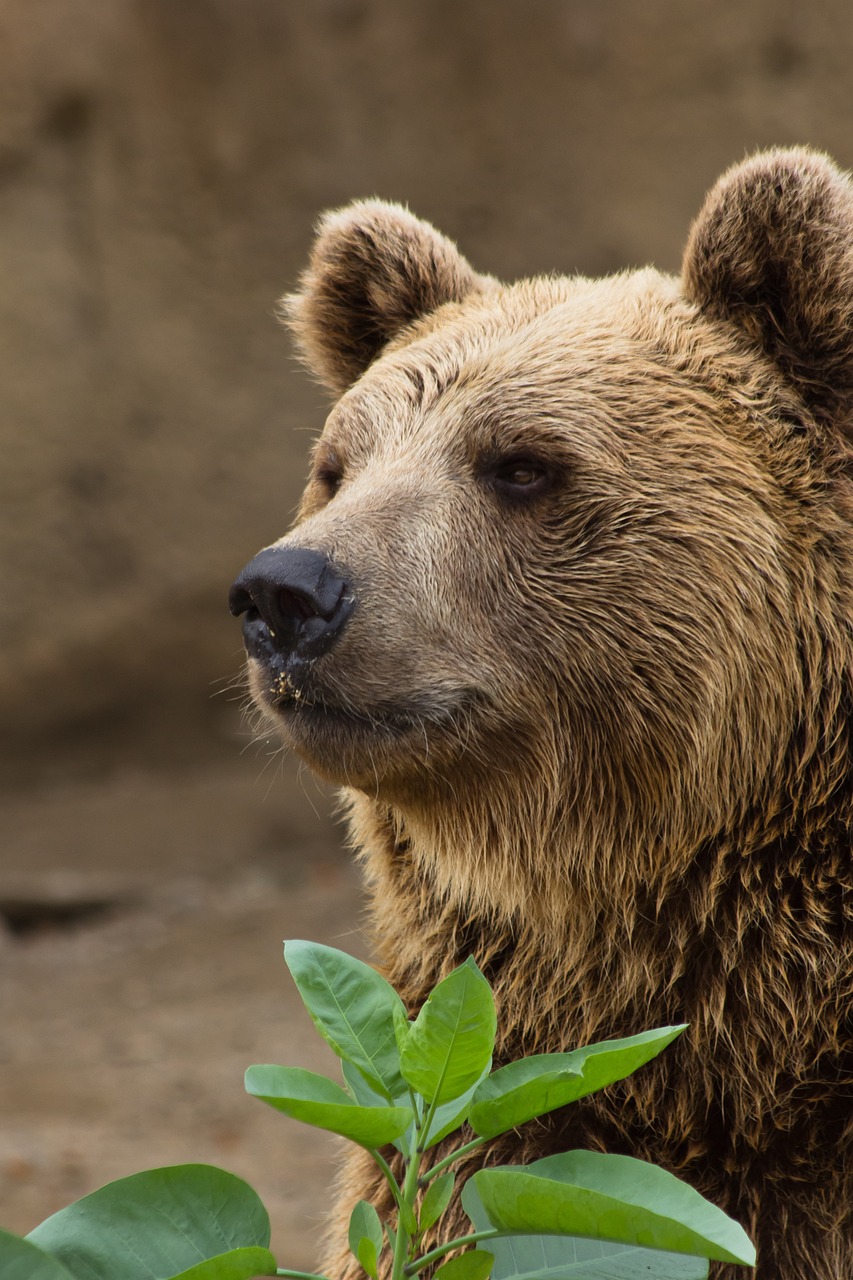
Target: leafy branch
point(581, 1214)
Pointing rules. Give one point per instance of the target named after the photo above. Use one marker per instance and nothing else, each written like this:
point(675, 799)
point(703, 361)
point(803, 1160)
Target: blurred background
point(162, 163)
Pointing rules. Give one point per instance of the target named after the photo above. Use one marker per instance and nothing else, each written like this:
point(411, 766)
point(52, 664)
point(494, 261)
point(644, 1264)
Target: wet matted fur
point(593, 705)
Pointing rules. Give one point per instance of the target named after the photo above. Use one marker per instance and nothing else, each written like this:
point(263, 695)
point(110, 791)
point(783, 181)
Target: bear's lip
point(363, 743)
point(291, 693)
point(292, 702)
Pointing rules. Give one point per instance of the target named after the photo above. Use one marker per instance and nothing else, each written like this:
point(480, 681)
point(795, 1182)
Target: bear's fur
point(593, 705)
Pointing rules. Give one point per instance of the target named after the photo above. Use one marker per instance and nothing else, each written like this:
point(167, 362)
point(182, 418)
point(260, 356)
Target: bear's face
point(567, 523)
point(550, 531)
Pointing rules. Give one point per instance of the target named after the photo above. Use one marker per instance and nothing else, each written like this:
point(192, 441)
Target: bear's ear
point(374, 268)
point(772, 252)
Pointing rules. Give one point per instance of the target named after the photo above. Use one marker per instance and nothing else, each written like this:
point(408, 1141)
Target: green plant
point(577, 1216)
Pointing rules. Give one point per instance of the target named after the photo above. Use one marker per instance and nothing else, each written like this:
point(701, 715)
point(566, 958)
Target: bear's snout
point(294, 601)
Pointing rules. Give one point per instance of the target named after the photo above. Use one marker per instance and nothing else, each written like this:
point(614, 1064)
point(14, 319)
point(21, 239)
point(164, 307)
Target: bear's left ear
point(772, 252)
point(374, 268)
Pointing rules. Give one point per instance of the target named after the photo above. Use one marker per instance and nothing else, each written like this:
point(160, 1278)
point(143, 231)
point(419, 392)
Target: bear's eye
point(520, 477)
point(329, 472)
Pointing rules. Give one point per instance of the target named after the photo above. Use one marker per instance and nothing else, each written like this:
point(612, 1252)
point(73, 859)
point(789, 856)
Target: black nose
point(294, 601)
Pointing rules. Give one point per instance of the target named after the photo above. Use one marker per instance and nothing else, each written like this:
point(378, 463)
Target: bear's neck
point(618, 946)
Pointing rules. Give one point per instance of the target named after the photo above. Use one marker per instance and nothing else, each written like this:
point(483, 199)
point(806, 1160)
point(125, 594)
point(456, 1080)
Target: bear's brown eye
point(330, 472)
point(521, 477)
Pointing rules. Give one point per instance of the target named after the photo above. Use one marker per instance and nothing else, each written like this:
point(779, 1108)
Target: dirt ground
point(138, 983)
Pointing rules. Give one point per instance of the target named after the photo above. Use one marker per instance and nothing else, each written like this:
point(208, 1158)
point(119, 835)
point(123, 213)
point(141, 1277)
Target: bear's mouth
point(363, 744)
point(299, 705)
point(289, 701)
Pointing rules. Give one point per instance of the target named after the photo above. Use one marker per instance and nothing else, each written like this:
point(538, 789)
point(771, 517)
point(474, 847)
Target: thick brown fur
point(596, 730)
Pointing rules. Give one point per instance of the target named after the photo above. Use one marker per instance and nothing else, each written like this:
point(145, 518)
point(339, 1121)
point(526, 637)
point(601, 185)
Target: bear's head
point(572, 572)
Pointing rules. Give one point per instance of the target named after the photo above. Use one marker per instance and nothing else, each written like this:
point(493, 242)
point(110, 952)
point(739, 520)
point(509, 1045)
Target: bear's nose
point(294, 601)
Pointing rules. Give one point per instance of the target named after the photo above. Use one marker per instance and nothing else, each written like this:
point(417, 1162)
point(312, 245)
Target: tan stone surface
point(160, 169)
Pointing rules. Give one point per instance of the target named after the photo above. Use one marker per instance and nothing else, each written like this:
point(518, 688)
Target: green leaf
point(523, 1090)
point(365, 1236)
point(314, 1099)
point(473, 1265)
point(392, 1237)
point(239, 1264)
point(608, 1197)
point(451, 1115)
point(436, 1199)
point(445, 1118)
point(367, 1256)
point(534, 1086)
point(522, 1257)
point(407, 1218)
point(364, 1221)
point(160, 1223)
point(573, 1258)
point(354, 1009)
point(446, 1048)
point(22, 1260)
point(366, 1096)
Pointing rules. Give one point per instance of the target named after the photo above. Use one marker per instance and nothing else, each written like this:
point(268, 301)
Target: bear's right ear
point(374, 269)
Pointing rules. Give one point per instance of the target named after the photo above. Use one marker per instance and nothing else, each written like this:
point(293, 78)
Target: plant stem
point(451, 1159)
point(419, 1263)
point(299, 1275)
point(389, 1176)
point(410, 1191)
point(423, 1135)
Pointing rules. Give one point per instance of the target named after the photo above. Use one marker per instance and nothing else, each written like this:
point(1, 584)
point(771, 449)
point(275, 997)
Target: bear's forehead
point(525, 358)
point(536, 320)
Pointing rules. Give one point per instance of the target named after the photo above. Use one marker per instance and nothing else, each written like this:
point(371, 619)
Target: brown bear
point(568, 610)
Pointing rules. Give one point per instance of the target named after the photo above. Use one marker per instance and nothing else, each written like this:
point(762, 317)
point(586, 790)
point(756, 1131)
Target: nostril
point(292, 604)
point(239, 600)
